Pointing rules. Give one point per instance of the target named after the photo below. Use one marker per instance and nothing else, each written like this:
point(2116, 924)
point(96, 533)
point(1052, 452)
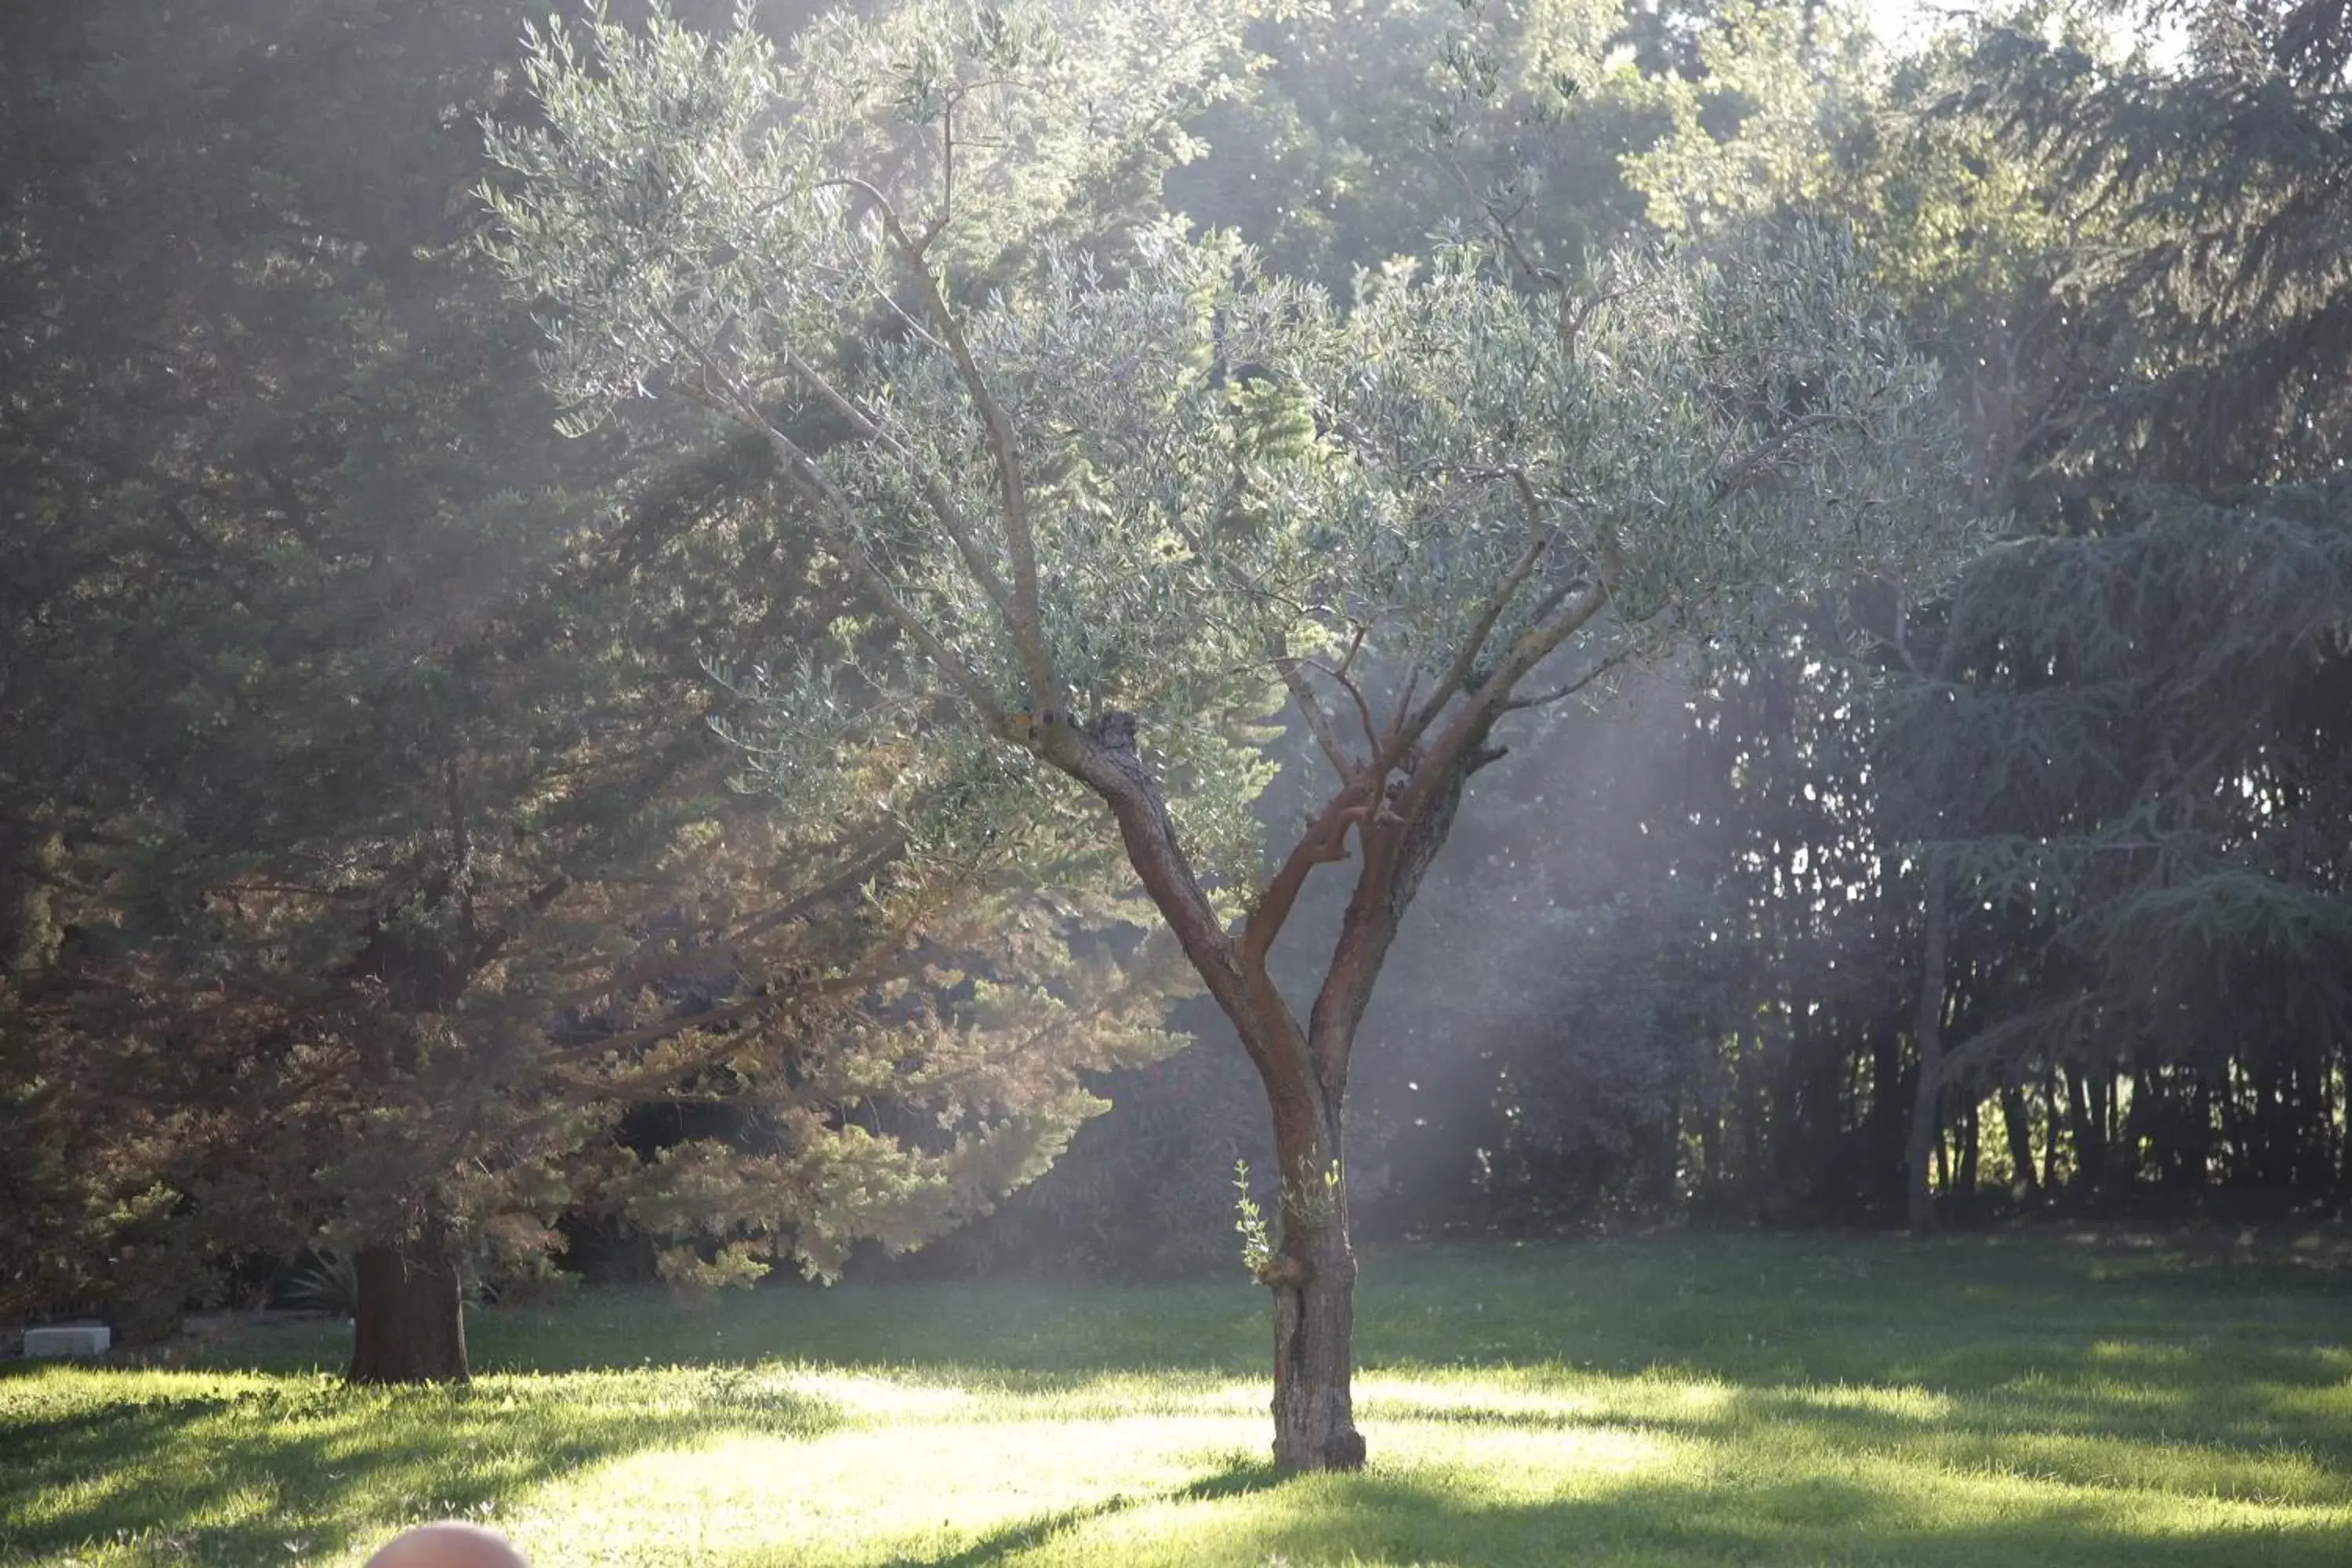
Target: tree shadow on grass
point(1795, 1520)
point(1008, 1542)
point(303, 1469)
point(1251, 1515)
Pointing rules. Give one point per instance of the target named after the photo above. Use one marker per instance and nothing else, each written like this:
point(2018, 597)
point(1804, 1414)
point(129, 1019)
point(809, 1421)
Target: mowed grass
point(2011, 1400)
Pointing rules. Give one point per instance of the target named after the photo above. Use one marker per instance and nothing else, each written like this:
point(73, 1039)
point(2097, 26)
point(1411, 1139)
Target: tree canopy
point(1109, 484)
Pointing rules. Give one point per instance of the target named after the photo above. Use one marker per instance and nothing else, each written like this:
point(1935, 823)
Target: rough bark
point(1312, 1276)
point(1314, 1358)
point(412, 1323)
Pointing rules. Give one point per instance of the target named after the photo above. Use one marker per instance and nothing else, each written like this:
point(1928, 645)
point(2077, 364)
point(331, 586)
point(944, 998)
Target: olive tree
point(1116, 494)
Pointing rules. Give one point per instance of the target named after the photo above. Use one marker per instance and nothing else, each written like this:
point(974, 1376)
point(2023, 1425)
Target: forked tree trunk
point(412, 1321)
point(1398, 813)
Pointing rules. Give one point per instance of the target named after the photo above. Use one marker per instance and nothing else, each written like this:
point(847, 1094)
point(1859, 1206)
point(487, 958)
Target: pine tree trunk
point(2344, 1131)
point(2090, 1145)
point(1927, 1127)
point(2316, 1126)
point(2143, 1119)
point(2196, 1134)
point(2017, 1125)
point(2104, 1120)
point(1964, 1184)
point(2049, 1120)
point(1892, 1085)
point(412, 1323)
point(1312, 1279)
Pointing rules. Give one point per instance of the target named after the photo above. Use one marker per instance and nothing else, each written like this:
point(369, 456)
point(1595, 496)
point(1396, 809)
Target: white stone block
point(73, 1339)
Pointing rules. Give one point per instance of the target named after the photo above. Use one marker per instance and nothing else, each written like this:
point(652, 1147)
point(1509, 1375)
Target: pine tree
point(373, 860)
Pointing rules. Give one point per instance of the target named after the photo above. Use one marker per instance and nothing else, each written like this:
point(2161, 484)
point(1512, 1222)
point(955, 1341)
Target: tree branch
point(802, 470)
point(1465, 658)
point(1469, 728)
point(1028, 630)
point(1310, 707)
point(1398, 849)
point(951, 517)
point(733, 1012)
point(1520, 704)
point(1363, 709)
point(728, 948)
point(1325, 841)
point(1105, 760)
point(1731, 476)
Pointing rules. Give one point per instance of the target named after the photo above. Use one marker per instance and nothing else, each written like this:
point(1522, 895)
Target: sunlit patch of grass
point(957, 1493)
point(1683, 1401)
point(136, 1466)
point(874, 1495)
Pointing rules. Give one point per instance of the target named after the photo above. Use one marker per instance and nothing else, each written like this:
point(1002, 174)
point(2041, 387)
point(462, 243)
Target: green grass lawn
point(2011, 1400)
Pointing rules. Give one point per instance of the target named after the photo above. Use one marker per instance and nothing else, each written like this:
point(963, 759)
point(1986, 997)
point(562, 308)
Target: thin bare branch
point(1469, 726)
point(1572, 321)
point(1541, 278)
point(1354, 646)
point(1363, 709)
point(951, 517)
point(1520, 704)
point(1405, 694)
point(1465, 659)
point(1020, 542)
point(1311, 709)
point(1733, 475)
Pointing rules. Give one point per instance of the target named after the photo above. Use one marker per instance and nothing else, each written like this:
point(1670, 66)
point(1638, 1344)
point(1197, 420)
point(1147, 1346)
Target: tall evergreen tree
point(357, 777)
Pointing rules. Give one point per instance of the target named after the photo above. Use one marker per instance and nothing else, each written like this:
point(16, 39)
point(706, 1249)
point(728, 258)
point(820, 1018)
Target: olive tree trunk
point(412, 1323)
point(1392, 817)
point(1312, 1280)
point(1314, 1359)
